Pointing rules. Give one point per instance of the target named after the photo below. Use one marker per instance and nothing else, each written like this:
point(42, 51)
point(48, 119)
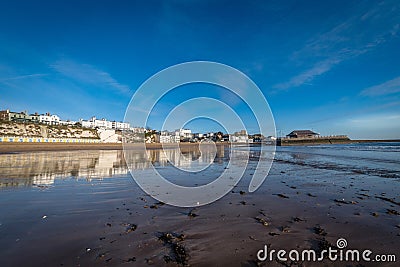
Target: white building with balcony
point(49, 119)
point(166, 138)
point(120, 125)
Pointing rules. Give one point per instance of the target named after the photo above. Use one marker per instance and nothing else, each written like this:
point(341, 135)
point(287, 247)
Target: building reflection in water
point(43, 168)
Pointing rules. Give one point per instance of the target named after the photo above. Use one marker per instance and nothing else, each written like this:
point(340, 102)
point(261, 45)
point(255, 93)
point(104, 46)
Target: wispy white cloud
point(369, 126)
point(374, 119)
point(386, 88)
point(88, 74)
point(341, 111)
point(375, 122)
point(345, 41)
point(308, 75)
point(23, 77)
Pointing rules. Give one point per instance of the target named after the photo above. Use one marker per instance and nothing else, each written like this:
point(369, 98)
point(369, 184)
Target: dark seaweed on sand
point(191, 214)
point(130, 227)
point(178, 252)
point(262, 221)
point(342, 201)
point(389, 200)
point(319, 230)
point(282, 196)
point(392, 212)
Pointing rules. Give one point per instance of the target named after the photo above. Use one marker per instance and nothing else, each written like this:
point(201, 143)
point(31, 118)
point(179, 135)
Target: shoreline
point(36, 147)
point(376, 141)
point(14, 147)
point(327, 141)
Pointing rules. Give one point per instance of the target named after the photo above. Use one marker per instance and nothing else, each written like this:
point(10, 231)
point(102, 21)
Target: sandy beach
point(83, 208)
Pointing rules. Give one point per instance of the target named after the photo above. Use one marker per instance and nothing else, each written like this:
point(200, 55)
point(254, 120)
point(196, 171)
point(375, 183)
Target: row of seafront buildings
point(179, 135)
point(53, 119)
point(111, 131)
point(107, 131)
point(25, 117)
point(186, 135)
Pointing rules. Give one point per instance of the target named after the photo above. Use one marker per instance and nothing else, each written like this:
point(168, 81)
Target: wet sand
point(12, 147)
point(31, 147)
point(111, 222)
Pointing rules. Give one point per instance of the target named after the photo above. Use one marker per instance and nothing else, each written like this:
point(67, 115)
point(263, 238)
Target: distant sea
point(380, 159)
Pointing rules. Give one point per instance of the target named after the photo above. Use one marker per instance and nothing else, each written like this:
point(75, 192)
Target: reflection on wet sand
point(43, 168)
point(182, 158)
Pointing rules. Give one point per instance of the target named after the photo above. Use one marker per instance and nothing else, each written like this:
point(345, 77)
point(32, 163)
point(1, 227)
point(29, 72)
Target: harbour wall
point(336, 139)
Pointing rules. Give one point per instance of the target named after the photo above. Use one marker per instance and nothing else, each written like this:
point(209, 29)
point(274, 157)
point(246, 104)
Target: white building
point(120, 125)
point(104, 124)
point(49, 119)
point(185, 133)
point(87, 124)
point(166, 138)
point(239, 137)
point(169, 137)
point(67, 122)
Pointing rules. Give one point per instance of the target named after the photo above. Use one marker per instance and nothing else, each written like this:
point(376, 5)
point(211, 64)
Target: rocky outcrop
point(46, 131)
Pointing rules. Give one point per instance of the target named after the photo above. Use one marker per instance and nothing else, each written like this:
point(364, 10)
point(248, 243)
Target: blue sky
point(330, 66)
